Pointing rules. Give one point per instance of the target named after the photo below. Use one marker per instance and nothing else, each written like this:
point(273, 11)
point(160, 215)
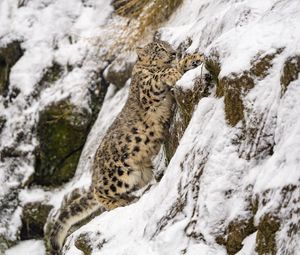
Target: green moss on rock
point(291, 70)
point(61, 131)
point(261, 64)
point(34, 218)
point(266, 234)
point(238, 229)
point(234, 86)
point(9, 55)
point(83, 243)
point(188, 99)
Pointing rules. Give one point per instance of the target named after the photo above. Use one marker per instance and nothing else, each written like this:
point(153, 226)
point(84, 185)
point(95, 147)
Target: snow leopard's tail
point(76, 208)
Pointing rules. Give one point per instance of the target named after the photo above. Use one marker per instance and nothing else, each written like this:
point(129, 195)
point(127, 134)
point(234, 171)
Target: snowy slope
point(221, 176)
point(210, 182)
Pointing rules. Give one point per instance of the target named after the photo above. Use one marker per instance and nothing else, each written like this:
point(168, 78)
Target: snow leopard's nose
point(196, 63)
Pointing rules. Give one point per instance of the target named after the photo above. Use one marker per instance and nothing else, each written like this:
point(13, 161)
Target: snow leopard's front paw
point(191, 61)
point(171, 76)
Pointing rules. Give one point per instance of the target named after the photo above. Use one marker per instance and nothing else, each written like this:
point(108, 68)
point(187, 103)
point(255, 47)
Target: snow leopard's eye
point(162, 53)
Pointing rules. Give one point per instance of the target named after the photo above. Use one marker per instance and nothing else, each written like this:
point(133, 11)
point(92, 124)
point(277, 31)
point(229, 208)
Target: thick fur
point(123, 160)
point(77, 207)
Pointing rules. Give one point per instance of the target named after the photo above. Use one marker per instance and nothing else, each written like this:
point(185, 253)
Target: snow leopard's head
point(157, 53)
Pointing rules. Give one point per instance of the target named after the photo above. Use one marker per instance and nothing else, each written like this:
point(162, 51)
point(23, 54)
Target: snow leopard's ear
point(156, 39)
point(141, 52)
point(157, 36)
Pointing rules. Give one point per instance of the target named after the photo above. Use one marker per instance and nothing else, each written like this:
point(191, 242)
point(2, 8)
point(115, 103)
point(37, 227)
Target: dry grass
point(131, 9)
point(147, 12)
point(145, 16)
point(138, 21)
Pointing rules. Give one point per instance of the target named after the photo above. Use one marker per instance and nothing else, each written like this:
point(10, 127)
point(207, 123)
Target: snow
point(210, 179)
point(49, 31)
point(11, 229)
point(153, 204)
point(186, 81)
point(32, 195)
point(287, 136)
point(248, 245)
point(114, 101)
point(239, 31)
point(29, 247)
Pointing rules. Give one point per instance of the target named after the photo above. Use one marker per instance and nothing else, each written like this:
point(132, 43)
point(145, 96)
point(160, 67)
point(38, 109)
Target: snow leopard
point(123, 161)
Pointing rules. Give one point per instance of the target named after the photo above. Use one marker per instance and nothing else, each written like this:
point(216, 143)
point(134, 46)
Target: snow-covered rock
point(232, 182)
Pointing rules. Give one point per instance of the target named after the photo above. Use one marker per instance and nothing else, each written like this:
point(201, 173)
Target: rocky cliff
point(227, 179)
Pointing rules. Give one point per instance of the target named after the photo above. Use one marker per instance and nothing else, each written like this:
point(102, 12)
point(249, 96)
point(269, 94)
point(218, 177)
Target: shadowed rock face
point(185, 106)
point(9, 55)
point(7, 207)
point(118, 76)
point(62, 130)
point(266, 234)
point(2, 122)
point(33, 219)
point(290, 71)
